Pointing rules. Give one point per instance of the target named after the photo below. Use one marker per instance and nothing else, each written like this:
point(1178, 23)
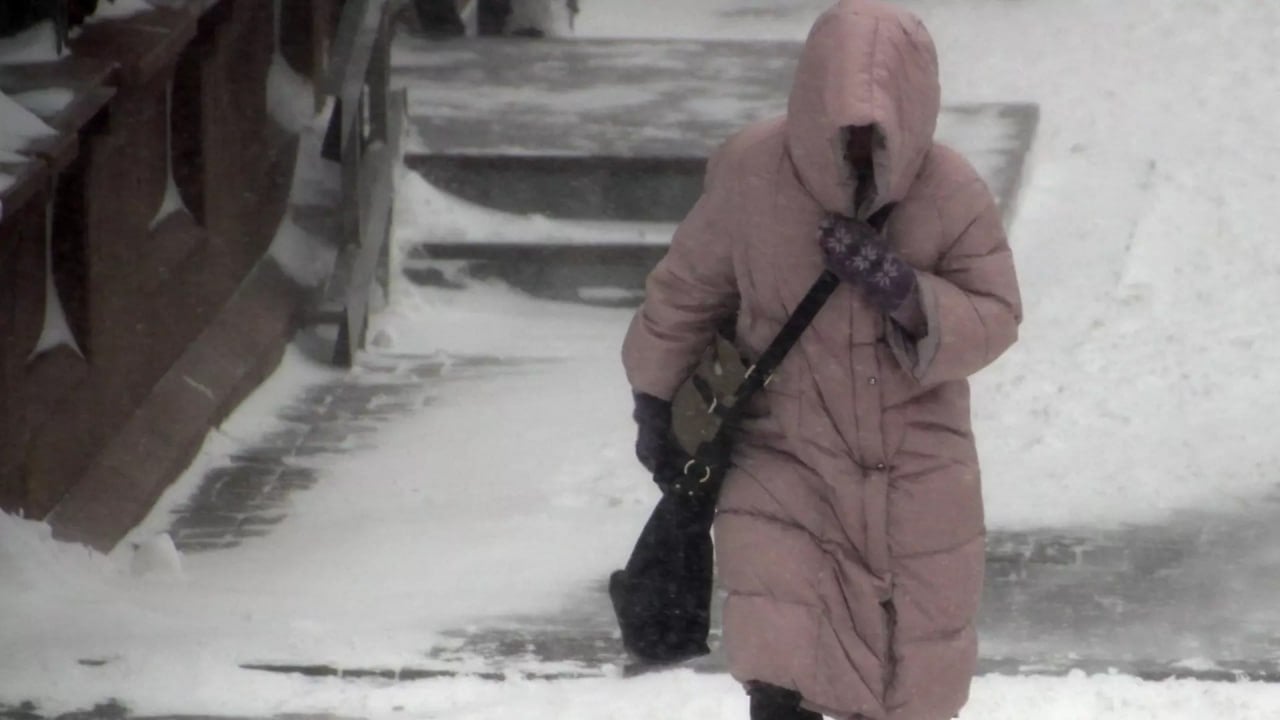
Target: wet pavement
point(1199, 592)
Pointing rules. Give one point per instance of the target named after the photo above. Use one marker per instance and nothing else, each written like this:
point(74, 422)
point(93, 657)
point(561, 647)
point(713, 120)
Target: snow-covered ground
point(1144, 385)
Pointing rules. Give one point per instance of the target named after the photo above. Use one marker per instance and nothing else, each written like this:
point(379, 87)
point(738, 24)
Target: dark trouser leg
point(770, 702)
point(491, 16)
point(439, 18)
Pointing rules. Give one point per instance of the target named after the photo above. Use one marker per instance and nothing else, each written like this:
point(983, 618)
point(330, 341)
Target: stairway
point(562, 166)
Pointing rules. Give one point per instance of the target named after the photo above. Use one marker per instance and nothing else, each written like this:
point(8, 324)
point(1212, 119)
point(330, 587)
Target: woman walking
point(849, 531)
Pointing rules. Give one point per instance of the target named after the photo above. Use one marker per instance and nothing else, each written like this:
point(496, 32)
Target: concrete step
point(562, 166)
point(620, 129)
point(621, 187)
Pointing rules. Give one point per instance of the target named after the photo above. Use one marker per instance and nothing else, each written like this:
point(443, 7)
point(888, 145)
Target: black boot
point(770, 702)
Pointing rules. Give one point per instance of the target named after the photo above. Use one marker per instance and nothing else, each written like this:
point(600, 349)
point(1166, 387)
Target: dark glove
point(858, 255)
point(653, 438)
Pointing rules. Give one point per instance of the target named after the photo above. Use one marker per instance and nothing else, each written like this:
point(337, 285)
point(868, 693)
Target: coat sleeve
point(688, 294)
point(971, 304)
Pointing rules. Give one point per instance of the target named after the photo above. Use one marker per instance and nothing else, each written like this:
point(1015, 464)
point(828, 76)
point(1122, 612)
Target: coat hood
point(865, 63)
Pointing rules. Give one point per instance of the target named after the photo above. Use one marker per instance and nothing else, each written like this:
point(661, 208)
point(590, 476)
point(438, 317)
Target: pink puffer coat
point(850, 532)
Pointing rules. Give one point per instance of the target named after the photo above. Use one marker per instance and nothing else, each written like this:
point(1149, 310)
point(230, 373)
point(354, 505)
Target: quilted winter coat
point(849, 533)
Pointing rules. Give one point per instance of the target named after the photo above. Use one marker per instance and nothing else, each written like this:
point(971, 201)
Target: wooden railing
point(143, 220)
point(364, 136)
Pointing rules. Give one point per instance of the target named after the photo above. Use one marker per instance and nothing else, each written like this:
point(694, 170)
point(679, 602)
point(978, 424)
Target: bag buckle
point(707, 470)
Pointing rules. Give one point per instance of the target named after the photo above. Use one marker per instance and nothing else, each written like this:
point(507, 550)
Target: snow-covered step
point(563, 166)
point(995, 137)
point(620, 129)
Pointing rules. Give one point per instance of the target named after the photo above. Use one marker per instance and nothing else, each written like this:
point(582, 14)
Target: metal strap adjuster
point(706, 474)
point(751, 370)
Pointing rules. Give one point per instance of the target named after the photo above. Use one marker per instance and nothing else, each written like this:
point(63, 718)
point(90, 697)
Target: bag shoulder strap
point(761, 372)
point(701, 474)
